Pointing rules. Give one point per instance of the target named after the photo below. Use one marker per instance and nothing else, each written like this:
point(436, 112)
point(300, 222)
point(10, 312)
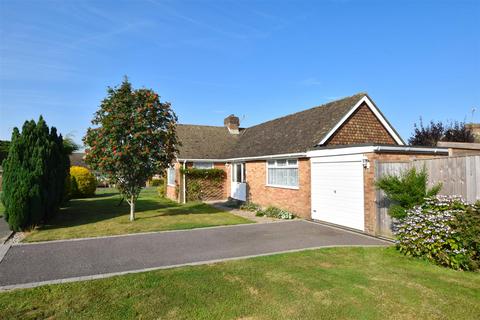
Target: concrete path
point(27, 265)
point(4, 230)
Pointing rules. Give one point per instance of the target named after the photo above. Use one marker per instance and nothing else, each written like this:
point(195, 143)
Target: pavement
point(4, 230)
point(28, 265)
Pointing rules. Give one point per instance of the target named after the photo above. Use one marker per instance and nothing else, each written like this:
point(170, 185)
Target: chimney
point(474, 128)
point(232, 123)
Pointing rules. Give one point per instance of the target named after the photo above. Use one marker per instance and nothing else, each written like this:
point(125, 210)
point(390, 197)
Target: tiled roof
point(293, 133)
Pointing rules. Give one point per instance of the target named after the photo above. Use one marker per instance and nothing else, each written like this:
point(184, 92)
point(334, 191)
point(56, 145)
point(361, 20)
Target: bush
point(161, 191)
point(406, 191)
point(83, 182)
point(209, 174)
point(250, 206)
point(34, 175)
point(156, 182)
point(274, 212)
point(444, 230)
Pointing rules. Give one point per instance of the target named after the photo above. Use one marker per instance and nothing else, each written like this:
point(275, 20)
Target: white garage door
point(337, 190)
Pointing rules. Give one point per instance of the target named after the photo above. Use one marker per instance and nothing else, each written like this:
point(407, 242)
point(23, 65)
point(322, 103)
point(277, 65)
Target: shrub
point(467, 225)
point(443, 230)
point(274, 212)
point(406, 191)
point(250, 206)
point(156, 182)
point(210, 174)
point(34, 175)
point(161, 191)
point(83, 182)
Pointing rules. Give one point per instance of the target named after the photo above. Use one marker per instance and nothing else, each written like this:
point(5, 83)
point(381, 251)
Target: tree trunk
point(132, 208)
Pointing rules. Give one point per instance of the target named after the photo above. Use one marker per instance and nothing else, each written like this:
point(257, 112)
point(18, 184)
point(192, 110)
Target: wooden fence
point(458, 175)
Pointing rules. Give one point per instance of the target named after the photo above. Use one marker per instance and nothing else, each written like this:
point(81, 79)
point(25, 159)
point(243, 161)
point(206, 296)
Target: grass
point(101, 216)
point(345, 283)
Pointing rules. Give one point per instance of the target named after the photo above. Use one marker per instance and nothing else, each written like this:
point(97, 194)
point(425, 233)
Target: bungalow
point(317, 163)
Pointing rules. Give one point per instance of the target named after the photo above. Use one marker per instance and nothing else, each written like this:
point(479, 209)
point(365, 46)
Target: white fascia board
point(201, 160)
point(274, 156)
point(355, 157)
point(370, 149)
point(340, 151)
point(375, 111)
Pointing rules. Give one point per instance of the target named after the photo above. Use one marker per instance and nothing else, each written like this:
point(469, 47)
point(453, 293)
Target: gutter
point(275, 156)
point(411, 149)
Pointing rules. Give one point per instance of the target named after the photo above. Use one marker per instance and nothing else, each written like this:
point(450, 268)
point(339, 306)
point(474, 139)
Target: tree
point(426, 135)
point(133, 139)
point(436, 131)
point(34, 175)
point(69, 145)
point(407, 190)
point(4, 145)
point(458, 132)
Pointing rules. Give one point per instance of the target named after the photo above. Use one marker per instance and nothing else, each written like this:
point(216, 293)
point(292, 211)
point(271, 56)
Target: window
point(238, 173)
point(282, 173)
point(171, 176)
point(203, 165)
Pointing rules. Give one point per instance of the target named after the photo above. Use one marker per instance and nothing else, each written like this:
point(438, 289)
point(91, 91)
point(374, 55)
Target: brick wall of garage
point(362, 127)
point(296, 201)
point(369, 183)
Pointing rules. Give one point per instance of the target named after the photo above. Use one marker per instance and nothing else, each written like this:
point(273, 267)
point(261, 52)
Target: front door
point(239, 187)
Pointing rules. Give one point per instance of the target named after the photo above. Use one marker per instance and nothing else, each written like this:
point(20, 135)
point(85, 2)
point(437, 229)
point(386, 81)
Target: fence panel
point(458, 175)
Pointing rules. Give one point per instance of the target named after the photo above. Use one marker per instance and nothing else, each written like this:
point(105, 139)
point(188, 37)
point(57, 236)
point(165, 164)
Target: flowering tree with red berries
point(133, 138)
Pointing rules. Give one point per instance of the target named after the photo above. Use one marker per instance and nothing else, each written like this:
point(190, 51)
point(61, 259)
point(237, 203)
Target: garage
point(337, 190)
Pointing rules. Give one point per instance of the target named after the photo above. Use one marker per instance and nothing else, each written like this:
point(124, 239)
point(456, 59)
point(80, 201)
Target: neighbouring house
point(317, 163)
point(78, 159)
point(460, 148)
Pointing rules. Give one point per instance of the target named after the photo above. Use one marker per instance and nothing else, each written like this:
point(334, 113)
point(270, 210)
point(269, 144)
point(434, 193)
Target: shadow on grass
point(105, 206)
point(194, 208)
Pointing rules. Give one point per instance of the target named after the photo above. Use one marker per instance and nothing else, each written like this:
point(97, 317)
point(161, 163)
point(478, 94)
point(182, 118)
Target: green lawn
point(101, 215)
point(345, 283)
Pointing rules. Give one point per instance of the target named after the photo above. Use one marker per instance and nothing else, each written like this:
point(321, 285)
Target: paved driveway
point(27, 264)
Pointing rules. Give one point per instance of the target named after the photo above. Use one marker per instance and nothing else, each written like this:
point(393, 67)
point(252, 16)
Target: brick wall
point(172, 191)
point(226, 183)
point(293, 200)
point(362, 127)
point(210, 189)
point(210, 193)
point(369, 183)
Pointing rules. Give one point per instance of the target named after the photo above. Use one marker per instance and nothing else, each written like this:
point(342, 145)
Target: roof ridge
point(199, 125)
point(319, 106)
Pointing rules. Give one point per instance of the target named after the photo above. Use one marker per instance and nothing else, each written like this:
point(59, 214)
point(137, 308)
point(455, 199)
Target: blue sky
point(256, 59)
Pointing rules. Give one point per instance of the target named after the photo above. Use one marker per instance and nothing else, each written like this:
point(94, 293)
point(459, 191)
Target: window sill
point(282, 187)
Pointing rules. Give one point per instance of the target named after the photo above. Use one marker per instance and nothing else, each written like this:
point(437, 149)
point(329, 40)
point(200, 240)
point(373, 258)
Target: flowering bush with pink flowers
point(441, 230)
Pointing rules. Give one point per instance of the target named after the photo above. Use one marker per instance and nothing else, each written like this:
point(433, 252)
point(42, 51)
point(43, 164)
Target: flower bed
point(271, 212)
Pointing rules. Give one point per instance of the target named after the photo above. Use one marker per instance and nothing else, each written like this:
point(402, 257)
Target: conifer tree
point(34, 175)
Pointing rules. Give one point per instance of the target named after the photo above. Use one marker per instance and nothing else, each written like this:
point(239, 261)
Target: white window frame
point(286, 166)
point(211, 165)
point(243, 176)
point(169, 175)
